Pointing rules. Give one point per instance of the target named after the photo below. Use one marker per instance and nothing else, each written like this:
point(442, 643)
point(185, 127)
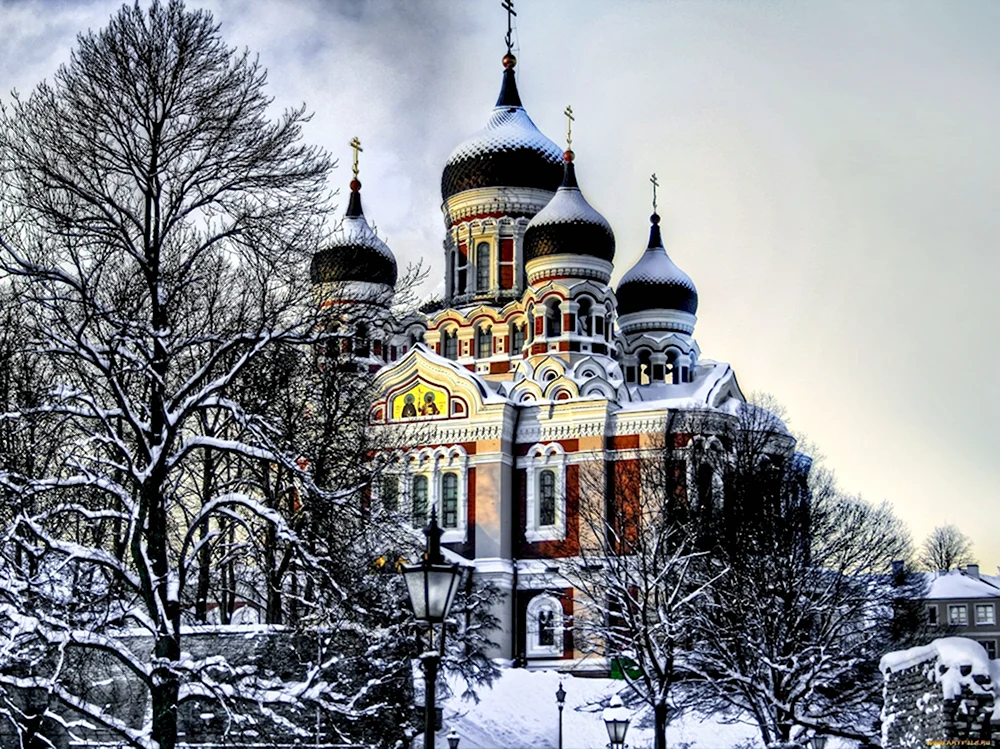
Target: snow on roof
point(706, 389)
point(956, 584)
point(508, 129)
point(568, 206)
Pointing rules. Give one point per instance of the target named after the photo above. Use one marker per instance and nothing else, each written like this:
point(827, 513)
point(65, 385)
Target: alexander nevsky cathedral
point(529, 368)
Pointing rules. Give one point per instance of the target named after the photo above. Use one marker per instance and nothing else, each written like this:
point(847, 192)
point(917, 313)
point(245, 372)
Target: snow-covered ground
point(520, 711)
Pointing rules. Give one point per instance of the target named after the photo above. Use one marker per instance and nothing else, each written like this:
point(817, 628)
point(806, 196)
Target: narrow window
point(553, 320)
point(390, 492)
point(705, 481)
point(362, 347)
point(463, 273)
point(419, 497)
point(991, 648)
point(484, 343)
point(547, 498)
point(451, 345)
point(517, 340)
point(583, 319)
point(482, 266)
point(645, 368)
point(932, 615)
point(449, 500)
point(546, 628)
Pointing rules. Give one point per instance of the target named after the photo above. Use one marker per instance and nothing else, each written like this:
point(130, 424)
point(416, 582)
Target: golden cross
point(569, 126)
point(508, 5)
point(356, 145)
point(655, 185)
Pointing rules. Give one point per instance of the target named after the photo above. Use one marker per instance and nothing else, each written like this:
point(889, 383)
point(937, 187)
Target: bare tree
point(946, 548)
point(156, 229)
point(792, 634)
point(639, 576)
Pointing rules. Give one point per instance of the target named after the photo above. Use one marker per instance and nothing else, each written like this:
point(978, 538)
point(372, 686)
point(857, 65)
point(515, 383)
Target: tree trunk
point(661, 713)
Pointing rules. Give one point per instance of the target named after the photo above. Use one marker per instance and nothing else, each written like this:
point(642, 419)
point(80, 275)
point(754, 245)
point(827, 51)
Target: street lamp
point(432, 585)
point(817, 742)
point(616, 718)
point(453, 739)
point(561, 701)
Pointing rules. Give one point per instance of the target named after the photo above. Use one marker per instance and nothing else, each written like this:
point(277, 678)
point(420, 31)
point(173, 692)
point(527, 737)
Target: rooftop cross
point(356, 145)
point(655, 185)
point(508, 5)
point(569, 127)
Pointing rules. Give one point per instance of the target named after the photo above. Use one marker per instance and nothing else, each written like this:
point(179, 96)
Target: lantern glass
point(432, 589)
point(560, 694)
point(817, 742)
point(616, 718)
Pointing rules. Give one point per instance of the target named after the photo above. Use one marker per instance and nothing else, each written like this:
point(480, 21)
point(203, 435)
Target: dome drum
point(563, 266)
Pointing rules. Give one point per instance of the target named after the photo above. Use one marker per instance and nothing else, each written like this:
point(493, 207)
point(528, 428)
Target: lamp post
point(453, 739)
point(432, 585)
point(561, 701)
point(616, 718)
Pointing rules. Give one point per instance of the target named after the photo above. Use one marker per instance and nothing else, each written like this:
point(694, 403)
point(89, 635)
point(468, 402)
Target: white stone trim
point(568, 266)
point(544, 602)
point(540, 457)
point(657, 319)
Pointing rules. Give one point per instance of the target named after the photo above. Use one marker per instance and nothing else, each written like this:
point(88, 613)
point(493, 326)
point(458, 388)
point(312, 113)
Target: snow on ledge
point(953, 653)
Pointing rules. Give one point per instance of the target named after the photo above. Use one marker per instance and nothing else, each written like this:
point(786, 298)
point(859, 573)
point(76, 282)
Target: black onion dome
point(509, 152)
point(655, 282)
point(356, 253)
point(568, 225)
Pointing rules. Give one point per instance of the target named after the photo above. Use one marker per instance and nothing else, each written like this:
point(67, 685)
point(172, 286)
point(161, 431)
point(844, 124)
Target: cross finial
point(569, 126)
point(655, 185)
point(356, 145)
point(508, 5)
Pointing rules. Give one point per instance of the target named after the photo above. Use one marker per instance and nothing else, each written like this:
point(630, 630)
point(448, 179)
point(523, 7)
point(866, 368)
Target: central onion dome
point(509, 152)
point(656, 283)
point(568, 225)
point(356, 254)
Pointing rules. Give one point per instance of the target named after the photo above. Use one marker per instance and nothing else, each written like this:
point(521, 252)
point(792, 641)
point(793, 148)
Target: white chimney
point(972, 570)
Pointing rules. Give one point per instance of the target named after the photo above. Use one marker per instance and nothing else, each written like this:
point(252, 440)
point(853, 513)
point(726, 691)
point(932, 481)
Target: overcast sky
point(828, 171)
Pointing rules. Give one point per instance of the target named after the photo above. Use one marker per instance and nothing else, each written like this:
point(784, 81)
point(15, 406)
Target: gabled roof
point(956, 585)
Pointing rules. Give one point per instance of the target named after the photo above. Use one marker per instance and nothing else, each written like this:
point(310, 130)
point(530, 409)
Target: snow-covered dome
point(509, 152)
point(568, 225)
point(356, 253)
point(655, 282)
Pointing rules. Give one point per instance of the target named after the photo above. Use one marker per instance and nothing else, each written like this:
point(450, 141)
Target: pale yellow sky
point(828, 171)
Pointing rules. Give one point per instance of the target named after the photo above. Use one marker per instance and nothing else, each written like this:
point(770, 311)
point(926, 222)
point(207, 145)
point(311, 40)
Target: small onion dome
point(509, 152)
point(356, 253)
point(568, 225)
point(655, 282)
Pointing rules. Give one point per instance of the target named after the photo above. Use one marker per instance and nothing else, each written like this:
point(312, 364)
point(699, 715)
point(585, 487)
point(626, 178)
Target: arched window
point(517, 340)
point(645, 367)
point(449, 500)
point(390, 492)
point(545, 624)
point(484, 342)
point(553, 320)
point(482, 266)
point(584, 323)
point(418, 497)
point(451, 345)
point(362, 347)
point(547, 498)
point(463, 272)
point(530, 325)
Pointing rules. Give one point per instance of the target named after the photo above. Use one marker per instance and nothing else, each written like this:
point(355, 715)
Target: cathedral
point(527, 369)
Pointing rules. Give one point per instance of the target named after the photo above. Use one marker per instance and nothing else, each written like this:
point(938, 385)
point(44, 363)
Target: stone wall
point(944, 692)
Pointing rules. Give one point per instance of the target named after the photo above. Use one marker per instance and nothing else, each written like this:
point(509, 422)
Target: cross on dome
point(655, 185)
point(508, 5)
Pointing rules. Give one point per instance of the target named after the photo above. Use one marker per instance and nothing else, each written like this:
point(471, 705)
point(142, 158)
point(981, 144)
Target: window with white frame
point(545, 623)
point(438, 477)
point(958, 614)
point(985, 613)
point(545, 519)
point(449, 500)
point(418, 501)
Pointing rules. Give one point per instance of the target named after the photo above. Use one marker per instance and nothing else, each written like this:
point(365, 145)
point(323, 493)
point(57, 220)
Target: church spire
point(508, 90)
point(354, 205)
